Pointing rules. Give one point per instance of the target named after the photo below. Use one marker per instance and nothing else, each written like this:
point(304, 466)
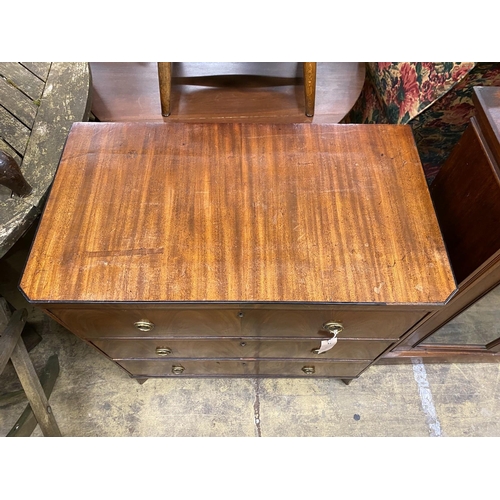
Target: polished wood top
point(303, 213)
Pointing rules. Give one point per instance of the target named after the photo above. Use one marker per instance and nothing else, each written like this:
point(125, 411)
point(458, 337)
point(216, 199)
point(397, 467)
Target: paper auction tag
point(326, 345)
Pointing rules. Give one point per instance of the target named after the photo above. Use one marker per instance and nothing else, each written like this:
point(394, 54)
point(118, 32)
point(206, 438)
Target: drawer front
point(238, 348)
point(110, 322)
point(113, 322)
point(357, 324)
point(191, 368)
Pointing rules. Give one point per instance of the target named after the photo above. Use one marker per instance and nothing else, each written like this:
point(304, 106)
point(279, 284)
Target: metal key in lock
point(334, 328)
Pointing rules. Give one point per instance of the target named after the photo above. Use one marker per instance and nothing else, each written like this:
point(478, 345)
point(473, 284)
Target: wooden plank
point(40, 69)
point(11, 335)
point(7, 149)
point(17, 396)
point(34, 391)
point(66, 100)
point(5, 314)
point(30, 338)
point(22, 78)
point(27, 422)
point(13, 132)
point(16, 216)
point(17, 103)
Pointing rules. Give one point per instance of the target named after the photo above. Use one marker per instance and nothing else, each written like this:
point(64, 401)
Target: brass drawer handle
point(177, 370)
point(308, 370)
point(144, 325)
point(333, 327)
point(163, 351)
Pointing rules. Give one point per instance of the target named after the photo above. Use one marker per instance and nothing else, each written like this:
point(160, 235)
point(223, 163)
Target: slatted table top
point(230, 213)
point(38, 103)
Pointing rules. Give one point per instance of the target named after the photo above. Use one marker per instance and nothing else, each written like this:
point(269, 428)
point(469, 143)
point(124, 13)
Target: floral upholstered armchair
point(435, 99)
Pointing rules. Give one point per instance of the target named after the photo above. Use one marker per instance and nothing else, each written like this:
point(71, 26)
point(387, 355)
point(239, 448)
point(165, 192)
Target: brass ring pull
point(333, 327)
point(177, 370)
point(308, 370)
point(163, 351)
point(144, 325)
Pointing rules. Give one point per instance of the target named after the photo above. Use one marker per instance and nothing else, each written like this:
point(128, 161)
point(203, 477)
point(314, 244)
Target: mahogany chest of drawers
point(239, 249)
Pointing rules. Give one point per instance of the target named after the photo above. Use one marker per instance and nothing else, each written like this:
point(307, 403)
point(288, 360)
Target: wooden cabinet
point(239, 249)
point(466, 196)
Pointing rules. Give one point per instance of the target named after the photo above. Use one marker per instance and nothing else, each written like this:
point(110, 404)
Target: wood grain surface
point(237, 349)
point(310, 86)
point(212, 368)
point(296, 322)
point(467, 205)
point(239, 213)
point(22, 78)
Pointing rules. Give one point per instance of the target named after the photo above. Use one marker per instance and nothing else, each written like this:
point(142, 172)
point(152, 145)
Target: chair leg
point(12, 346)
point(11, 335)
point(34, 390)
point(165, 81)
point(310, 86)
point(27, 422)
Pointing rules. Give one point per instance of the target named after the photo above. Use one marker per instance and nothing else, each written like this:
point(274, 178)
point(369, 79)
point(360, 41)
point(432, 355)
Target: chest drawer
point(114, 322)
point(263, 323)
point(212, 368)
point(376, 323)
point(238, 348)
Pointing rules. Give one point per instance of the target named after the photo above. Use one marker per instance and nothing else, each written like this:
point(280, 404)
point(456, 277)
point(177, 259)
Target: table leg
point(165, 81)
point(310, 86)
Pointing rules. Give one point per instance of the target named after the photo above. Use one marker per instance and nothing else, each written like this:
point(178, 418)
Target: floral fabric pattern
point(435, 99)
point(439, 128)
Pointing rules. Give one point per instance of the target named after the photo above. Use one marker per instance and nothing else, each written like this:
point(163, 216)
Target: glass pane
point(479, 324)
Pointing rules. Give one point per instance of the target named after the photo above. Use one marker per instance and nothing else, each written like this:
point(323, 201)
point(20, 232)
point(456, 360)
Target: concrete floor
point(94, 397)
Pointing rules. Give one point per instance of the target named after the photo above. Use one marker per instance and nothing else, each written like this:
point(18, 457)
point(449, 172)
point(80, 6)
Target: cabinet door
point(466, 194)
point(476, 327)
point(467, 325)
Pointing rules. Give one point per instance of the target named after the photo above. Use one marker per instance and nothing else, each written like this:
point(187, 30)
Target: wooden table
point(231, 249)
point(224, 92)
point(38, 103)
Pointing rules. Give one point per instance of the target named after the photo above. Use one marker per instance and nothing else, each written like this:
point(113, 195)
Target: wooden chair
point(165, 81)
point(36, 390)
